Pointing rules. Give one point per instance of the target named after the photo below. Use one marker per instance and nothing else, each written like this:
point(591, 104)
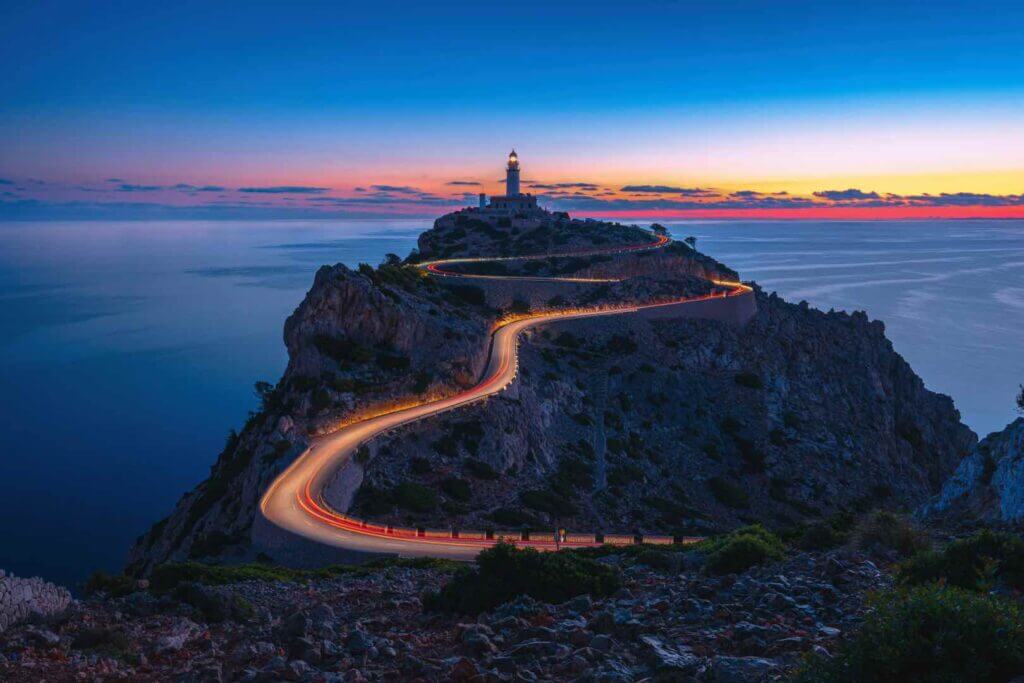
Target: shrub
point(973, 563)
point(504, 572)
point(418, 465)
point(342, 350)
point(211, 543)
point(620, 344)
point(373, 501)
point(730, 425)
point(322, 400)
point(658, 559)
point(513, 517)
point(624, 474)
point(447, 445)
point(421, 382)
point(519, 306)
point(548, 501)
point(740, 550)
point(888, 531)
point(750, 380)
point(574, 472)
point(457, 489)
point(568, 340)
point(392, 361)
point(215, 607)
point(479, 469)
point(469, 294)
point(113, 586)
point(728, 493)
point(928, 634)
point(752, 455)
point(820, 536)
point(414, 497)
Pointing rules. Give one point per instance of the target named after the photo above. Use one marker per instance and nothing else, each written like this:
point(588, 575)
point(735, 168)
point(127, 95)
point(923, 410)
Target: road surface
point(295, 503)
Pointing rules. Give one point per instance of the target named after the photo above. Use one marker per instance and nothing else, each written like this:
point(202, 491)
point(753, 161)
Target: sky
point(674, 109)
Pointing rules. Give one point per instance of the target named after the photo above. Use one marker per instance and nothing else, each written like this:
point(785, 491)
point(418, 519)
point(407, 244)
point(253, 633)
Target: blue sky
point(341, 93)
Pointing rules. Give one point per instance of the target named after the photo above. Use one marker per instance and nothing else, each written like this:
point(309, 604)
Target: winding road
point(295, 503)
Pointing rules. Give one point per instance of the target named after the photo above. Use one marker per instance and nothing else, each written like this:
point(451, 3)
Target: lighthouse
point(513, 202)
point(512, 176)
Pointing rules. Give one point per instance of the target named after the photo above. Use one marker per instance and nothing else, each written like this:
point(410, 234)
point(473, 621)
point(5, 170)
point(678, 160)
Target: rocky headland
point(624, 424)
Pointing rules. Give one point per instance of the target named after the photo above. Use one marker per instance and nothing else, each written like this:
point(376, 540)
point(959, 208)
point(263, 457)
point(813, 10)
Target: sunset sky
point(673, 109)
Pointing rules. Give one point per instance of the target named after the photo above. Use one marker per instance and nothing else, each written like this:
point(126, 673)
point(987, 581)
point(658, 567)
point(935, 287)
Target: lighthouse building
point(513, 201)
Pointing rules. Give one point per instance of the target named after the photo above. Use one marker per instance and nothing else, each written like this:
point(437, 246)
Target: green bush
point(887, 531)
point(928, 634)
point(729, 493)
point(470, 294)
point(820, 536)
point(519, 306)
point(975, 563)
point(418, 465)
point(750, 380)
point(514, 517)
point(548, 501)
point(479, 469)
point(113, 586)
point(741, 549)
point(342, 349)
point(414, 497)
point(392, 361)
point(457, 489)
point(504, 572)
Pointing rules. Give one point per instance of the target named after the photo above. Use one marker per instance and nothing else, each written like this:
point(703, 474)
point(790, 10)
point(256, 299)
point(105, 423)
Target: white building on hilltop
point(513, 200)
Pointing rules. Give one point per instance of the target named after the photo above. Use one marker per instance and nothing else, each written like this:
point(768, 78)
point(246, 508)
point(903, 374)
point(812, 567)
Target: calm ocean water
point(129, 349)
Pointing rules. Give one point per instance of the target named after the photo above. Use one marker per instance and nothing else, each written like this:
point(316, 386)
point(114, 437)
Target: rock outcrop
point(21, 599)
point(988, 485)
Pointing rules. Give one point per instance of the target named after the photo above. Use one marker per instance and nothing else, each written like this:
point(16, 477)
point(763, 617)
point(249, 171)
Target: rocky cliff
point(988, 485)
point(615, 423)
point(681, 426)
point(25, 599)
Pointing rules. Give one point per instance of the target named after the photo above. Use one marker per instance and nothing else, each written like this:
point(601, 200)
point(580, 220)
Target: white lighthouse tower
point(512, 176)
point(513, 202)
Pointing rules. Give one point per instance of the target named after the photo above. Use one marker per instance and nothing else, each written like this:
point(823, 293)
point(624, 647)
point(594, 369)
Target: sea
point(129, 349)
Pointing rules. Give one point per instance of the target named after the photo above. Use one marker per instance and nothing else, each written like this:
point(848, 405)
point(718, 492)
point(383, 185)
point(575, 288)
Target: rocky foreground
point(669, 621)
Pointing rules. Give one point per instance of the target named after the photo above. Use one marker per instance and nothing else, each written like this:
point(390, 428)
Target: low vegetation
point(741, 549)
point(505, 572)
point(546, 500)
point(887, 532)
point(750, 380)
point(168, 577)
point(822, 535)
point(981, 562)
point(728, 493)
point(930, 633)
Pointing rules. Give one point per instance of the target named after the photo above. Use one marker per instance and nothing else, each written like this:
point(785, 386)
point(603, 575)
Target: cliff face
point(615, 423)
point(988, 485)
point(359, 339)
point(679, 426)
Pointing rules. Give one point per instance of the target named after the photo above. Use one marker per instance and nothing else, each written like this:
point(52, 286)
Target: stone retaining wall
point(23, 598)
